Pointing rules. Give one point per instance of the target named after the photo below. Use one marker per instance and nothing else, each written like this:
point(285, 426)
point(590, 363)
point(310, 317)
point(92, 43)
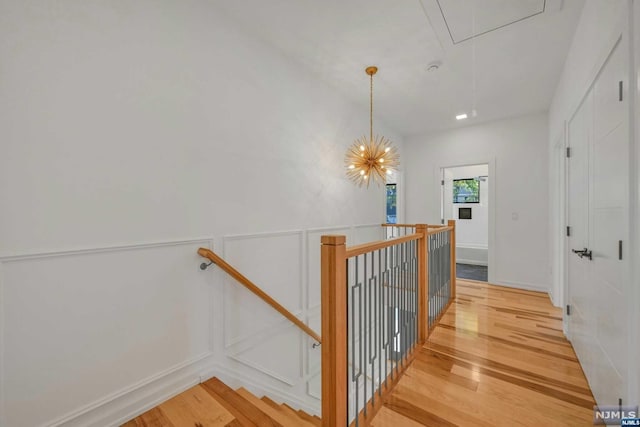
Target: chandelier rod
point(371, 71)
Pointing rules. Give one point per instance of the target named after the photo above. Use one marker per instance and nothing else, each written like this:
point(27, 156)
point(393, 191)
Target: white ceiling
point(510, 68)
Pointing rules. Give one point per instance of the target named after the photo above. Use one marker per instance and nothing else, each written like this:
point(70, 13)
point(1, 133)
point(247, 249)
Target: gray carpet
point(472, 272)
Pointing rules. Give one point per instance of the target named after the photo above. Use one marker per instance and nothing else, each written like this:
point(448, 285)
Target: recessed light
point(461, 116)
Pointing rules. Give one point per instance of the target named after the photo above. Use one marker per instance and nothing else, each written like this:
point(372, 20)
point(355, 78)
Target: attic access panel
point(490, 15)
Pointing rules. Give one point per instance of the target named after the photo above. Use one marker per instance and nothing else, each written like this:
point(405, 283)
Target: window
point(466, 190)
point(392, 212)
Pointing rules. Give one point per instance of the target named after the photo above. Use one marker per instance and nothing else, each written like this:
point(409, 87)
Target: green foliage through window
point(392, 212)
point(466, 190)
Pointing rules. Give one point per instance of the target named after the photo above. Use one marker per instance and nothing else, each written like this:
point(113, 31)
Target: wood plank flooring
point(214, 404)
point(497, 358)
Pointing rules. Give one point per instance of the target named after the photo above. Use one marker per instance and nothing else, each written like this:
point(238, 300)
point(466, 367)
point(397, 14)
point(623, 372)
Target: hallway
point(498, 358)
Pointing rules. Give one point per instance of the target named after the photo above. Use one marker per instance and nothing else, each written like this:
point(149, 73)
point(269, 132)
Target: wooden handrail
point(211, 256)
point(412, 225)
point(381, 244)
point(439, 230)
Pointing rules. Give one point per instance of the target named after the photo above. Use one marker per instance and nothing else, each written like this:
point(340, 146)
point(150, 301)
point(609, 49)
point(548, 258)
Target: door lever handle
point(583, 253)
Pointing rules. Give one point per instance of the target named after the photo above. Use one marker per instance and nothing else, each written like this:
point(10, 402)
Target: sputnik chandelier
point(371, 159)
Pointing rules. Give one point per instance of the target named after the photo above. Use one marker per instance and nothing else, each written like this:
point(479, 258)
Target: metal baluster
point(380, 321)
point(441, 259)
point(403, 297)
point(363, 327)
point(396, 320)
point(416, 301)
point(405, 294)
point(388, 317)
point(392, 300)
point(356, 377)
point(431, 278)
point(371, 328)
point(438, 278)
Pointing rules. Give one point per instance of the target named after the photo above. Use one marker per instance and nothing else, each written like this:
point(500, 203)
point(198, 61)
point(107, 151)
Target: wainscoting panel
point(255, 334)
point(84, 328)
point(314, 358)
point(366, 233)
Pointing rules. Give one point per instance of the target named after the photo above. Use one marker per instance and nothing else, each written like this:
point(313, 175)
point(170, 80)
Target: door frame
point(491, 162)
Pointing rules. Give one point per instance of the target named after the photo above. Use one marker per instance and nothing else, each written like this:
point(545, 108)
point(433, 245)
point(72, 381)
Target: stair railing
point(380, 301)
point(213, 257)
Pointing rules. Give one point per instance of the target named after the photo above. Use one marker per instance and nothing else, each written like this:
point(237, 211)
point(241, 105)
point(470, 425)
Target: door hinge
point(568, 310)
point(620, 90)
point(442, 182)
point(442, 221)
point(620, 249)
point(568, 152)
point(568, 231)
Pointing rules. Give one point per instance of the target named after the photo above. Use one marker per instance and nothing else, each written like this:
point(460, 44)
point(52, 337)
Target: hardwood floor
point(213, 404)
point(497, 358)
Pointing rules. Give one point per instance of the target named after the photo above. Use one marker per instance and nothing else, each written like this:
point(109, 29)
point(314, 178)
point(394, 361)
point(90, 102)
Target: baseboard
point(470, 262)
point(236, 379)
point(124, 406)
point(522, 285)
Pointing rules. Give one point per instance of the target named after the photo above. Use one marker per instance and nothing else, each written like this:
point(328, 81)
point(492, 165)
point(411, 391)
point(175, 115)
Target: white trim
point(521, 285)
point(102, 249)
point(491, 162)
point(146, 383)
point(470, 262)
point(232, 237)
point(367, 225)
point(472, 246)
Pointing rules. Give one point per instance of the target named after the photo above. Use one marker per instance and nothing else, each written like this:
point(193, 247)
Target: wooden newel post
point(423, 277)
point(334, 330)
point(452, 223)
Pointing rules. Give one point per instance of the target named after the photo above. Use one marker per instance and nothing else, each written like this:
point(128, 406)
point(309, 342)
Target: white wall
point(472, 235)
point(518, 149)
point(132, 133)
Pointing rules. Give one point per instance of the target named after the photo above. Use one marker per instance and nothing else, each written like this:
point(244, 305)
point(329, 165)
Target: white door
point(580, 301)
point(598, 216)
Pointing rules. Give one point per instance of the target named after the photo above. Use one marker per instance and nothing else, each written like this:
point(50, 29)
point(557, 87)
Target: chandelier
point(371, 159)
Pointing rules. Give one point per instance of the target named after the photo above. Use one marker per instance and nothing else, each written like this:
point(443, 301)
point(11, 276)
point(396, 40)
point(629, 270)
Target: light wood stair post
point(452, 223)
point(423, 283)
point(334, 330)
